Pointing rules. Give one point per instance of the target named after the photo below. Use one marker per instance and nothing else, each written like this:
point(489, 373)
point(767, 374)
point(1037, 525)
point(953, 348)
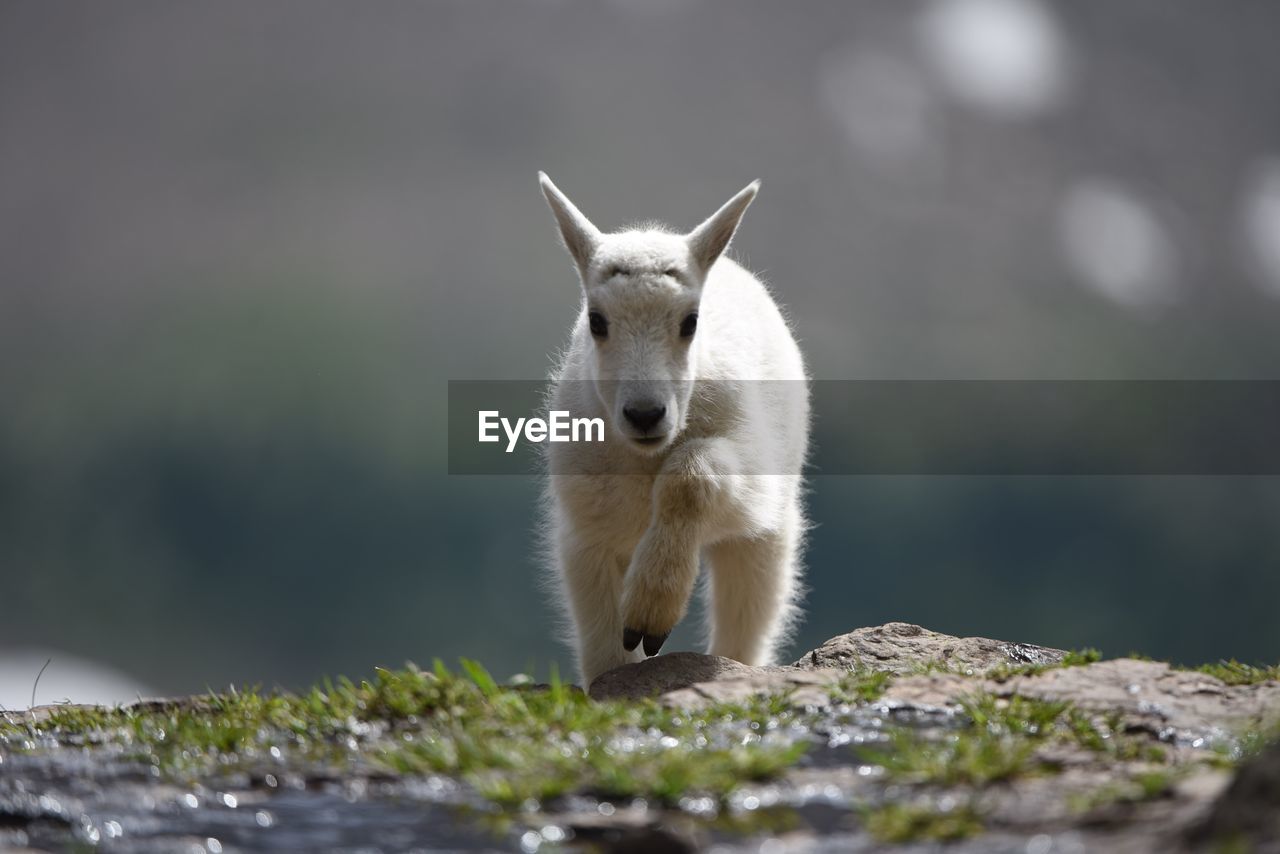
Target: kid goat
point(691, 365)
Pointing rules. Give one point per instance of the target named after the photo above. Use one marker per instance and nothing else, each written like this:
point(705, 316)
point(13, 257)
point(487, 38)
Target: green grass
point(1252, 742)
point(540, 745)
point(1074, 658)
point(1000, 741)
point(998, 744)
point(1234, 672)
point(1229, 671)
point(860, 686)
point(511, 744)
point(898, 822)
point(1139, 788)
point(518, 744)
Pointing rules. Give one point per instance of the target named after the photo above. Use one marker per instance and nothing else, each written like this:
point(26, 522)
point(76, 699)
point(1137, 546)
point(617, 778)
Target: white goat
point(694, 370)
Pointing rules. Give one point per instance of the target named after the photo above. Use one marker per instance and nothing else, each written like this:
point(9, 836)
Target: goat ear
point(580, 237)
point(709, 240)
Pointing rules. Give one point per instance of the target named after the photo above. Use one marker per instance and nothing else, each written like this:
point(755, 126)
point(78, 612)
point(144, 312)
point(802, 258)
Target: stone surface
point(1185, 711)
point(1154, 696)
point(805, 687)
point(902, 647)
point(1170, 704)
point(1092, 802)
point(40, 714)
point(663, 673)
point(689, 678)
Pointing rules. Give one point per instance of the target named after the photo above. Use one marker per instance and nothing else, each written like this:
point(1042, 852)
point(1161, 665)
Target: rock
point(901, 647)
point(652, 840)
point(1153, 696)
point(1171, 704)
point(1170, 798)
point(1245, 817)
point(806, 688)
point(663, 673)
point(933, 690)
point(689, 679)
point(40, 714)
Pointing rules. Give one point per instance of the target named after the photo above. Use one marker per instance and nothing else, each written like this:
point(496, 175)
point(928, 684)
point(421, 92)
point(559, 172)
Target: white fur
point(719, 478)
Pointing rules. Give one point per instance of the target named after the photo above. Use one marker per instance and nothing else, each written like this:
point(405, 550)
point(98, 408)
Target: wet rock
point(902, 647)
point(1126, 801)
point(652, 840)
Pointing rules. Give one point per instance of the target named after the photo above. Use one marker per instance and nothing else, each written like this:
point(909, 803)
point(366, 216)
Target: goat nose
point(644, 416)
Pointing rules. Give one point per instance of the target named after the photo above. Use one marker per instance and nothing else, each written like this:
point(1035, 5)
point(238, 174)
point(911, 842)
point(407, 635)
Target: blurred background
point(243, 247)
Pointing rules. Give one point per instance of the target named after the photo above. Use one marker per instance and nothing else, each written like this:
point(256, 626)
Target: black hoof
point(653, 643)
point(631, 639)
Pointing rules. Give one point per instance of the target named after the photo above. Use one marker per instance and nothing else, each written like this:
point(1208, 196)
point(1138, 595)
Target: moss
point(898, 822)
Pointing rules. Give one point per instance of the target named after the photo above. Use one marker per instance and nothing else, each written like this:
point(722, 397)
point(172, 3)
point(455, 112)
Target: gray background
point(243, 246)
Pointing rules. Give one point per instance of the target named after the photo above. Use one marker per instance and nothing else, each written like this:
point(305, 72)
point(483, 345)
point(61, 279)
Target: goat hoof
point(631, 639)
point(653, 643)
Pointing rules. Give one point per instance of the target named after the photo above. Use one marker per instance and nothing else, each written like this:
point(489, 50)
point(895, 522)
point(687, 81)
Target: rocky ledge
point(934, 670)
point(887, 738)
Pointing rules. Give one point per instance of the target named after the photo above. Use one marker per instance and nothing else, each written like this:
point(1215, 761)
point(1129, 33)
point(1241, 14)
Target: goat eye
point(599, 326)
point(689, 325)
point(672, 272)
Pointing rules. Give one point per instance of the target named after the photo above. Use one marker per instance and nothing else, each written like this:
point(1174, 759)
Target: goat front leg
point(689, 495)
point(592, 581)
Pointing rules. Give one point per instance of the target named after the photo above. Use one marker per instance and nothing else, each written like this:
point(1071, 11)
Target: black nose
point(644, 416)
